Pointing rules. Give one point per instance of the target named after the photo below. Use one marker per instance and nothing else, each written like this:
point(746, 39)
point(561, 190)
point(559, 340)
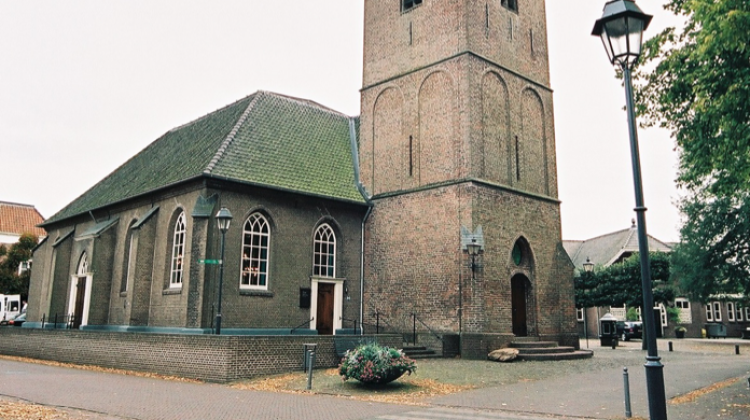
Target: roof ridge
point(9, 203)
point(307, 103)
point(189, 123)
point(230, 137)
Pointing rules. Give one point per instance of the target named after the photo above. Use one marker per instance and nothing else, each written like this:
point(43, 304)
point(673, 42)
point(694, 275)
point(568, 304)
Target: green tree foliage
point(714, 255)
point(700, 91)
point(695, 81)
point(10, 281)
point(620, 284)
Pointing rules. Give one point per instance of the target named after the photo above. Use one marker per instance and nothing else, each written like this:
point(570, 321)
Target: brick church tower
point(457, 135)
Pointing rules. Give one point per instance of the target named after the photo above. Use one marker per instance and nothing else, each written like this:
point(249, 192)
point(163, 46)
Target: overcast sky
point(86, 84)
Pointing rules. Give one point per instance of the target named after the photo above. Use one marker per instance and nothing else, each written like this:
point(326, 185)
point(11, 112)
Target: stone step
point(533, 344)
point(544, 350)
point(572, 355)
point(418, 352)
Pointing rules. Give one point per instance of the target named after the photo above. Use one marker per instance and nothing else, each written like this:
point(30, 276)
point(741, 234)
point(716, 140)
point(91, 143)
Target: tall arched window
point(128, 258)
point(324, 253)
point(256, 238)
point(178, 252)
point(83, 266)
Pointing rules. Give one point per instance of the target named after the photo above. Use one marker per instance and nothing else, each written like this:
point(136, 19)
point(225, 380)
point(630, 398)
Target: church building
point(434, 211)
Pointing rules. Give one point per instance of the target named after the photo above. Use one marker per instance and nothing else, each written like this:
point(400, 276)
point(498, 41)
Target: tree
point(714, 255)
point(620, 284)
point(696, 83)
point(10, 281)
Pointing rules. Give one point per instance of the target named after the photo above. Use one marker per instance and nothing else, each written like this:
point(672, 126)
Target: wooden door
point(80, 297)
point(324, 317)
point(518, 290)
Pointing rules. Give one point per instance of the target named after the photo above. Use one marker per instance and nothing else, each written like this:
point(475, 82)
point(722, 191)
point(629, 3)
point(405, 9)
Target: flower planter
point(372, 364)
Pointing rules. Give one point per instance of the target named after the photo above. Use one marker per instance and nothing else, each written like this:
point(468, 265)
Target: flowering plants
point(375, 364)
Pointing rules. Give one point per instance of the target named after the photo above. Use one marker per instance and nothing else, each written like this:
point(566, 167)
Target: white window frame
point(256, 245)
point(747, 313)
point(82, 271)
point(663, 313)
point(686, 316)
point(324, 252)
point(739, 311)
point(730, 311)
point(177, 262)
point(579, 314)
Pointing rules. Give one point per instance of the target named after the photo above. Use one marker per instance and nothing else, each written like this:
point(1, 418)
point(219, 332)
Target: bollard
point(736, 349)
point(614, 343)
point(310, 371)
point(670, 346)
point(625, 378)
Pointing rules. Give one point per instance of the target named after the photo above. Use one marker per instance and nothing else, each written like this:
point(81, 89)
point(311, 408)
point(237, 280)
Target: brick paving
point(596, 394)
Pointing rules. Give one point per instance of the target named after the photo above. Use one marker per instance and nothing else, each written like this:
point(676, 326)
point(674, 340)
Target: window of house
point(686, 317)
point(324, 258)
point(409, 4)
point(713, 312)
point(255, 243)
point(579, 314)
point(747, 313)
point(730, 311)
point(178, 251)
point(739, 316)
point(510, 4)
point(24, 266)
point(663, 313)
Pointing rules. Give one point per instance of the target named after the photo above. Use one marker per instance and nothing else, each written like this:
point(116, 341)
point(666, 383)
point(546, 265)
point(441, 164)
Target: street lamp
point(621, 30)
point(223, 220)
point(474, 249)
point(588, 268)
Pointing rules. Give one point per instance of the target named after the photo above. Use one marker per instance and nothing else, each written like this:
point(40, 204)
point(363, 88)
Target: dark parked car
point(17, 321)
point(629, 329)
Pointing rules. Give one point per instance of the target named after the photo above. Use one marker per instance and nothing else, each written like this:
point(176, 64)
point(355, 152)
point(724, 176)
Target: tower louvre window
point(410, 4)
point(509, 4)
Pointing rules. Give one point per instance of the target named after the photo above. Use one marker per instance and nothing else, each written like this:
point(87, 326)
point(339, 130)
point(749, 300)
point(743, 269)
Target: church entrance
point(519, 291)
point(327, 304)
point(325, 309)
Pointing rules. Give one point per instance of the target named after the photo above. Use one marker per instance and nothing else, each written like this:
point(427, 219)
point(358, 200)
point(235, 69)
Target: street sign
point(209, 262)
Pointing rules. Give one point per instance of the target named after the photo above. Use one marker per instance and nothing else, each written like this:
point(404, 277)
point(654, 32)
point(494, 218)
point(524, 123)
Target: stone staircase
point(532, 348)
point(419, 352)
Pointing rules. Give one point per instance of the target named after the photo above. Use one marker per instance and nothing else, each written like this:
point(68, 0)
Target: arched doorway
point(520, 286)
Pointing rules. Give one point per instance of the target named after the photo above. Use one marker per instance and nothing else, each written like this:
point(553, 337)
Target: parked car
point(629, 329)
point(18, 321)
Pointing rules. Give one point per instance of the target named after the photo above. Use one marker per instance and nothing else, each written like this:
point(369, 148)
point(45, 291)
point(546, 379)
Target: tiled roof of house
point(17, 219)
point(608, 249)
point(265, 139)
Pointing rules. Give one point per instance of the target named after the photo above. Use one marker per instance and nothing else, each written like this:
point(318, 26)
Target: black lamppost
point(621, 30)
point(223, 220)
point(588, 268)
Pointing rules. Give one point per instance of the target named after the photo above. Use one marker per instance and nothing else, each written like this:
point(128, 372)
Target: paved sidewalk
point(597, 394)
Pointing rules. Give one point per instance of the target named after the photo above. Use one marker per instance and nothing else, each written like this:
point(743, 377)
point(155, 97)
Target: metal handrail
point(414, 330)
point(298, 326)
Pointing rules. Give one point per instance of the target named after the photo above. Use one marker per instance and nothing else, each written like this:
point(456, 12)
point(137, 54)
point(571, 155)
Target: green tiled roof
point(264, 139)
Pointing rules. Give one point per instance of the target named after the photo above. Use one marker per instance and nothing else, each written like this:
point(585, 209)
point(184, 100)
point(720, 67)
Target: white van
point(10, 307)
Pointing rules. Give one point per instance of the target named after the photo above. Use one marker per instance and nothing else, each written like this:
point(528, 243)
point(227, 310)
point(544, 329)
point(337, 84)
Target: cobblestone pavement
point(595, 394)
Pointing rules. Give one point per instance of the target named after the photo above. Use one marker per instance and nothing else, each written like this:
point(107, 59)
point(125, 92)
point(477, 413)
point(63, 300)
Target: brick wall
point(204, 357)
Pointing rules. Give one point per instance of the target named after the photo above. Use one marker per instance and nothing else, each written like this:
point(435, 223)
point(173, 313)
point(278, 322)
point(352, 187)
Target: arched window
point(128, 258)
point(256, 238)
point(178, 251)
point(324, 253)
point(83, 266)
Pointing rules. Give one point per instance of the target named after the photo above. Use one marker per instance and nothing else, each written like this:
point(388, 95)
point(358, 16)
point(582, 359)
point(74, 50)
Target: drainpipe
point(361, 188)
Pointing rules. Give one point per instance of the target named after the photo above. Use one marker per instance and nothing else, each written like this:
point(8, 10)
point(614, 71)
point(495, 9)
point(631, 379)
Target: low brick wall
point(205, 357)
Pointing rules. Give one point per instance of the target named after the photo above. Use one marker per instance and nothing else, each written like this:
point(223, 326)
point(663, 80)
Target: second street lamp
point(223, 220)
point(621, 31)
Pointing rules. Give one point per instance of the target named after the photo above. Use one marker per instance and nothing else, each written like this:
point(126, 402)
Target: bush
point(374, 364)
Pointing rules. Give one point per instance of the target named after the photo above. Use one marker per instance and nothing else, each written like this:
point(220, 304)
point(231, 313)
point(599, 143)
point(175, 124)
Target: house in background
point(615, 247)
point(16, 220)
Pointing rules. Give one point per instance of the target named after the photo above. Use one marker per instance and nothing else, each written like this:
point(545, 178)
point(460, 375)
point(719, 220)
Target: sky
point(87, 84)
